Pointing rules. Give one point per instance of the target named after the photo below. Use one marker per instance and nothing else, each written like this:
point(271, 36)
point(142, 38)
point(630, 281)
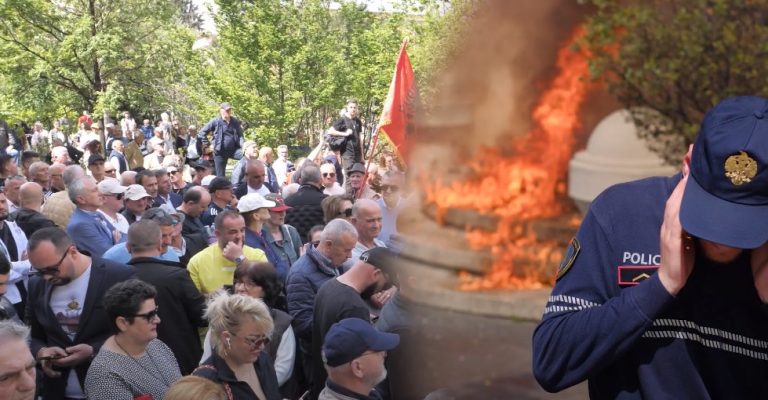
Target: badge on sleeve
point(569, 258)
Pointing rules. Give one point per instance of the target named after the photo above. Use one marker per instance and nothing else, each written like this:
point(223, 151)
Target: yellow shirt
point(210, 271)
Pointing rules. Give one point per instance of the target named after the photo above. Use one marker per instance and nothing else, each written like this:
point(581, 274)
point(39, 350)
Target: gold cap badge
point(740, 168)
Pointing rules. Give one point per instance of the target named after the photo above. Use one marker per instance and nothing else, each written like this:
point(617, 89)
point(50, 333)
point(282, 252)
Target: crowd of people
point(153, 262)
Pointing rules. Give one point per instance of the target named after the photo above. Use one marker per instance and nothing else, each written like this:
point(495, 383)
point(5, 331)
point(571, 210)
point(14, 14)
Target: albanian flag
point(397, 117)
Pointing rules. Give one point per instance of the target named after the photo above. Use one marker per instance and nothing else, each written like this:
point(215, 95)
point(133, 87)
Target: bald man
point(28, 216)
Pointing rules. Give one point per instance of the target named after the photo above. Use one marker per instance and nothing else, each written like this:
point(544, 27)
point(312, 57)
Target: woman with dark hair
point(132, 363)
point(259, 280)
point(338, 206)
point(8, 168)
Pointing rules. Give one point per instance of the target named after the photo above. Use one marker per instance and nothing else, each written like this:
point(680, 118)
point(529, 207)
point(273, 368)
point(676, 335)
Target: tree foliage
point(670, 61)
point(287, 67)
point(72, 55)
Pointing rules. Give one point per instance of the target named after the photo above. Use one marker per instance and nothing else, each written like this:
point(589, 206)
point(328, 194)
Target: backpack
point(335, 143)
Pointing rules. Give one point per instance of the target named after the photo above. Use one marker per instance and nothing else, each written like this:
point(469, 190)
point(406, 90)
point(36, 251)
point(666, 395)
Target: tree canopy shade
point(287, 67)
point(670, 61)
point(93, 54)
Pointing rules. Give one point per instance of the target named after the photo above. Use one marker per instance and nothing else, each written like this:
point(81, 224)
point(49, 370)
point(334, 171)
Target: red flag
point(397, 117)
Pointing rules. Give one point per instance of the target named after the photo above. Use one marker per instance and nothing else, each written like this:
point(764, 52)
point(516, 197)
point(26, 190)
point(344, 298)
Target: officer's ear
point(687, 161)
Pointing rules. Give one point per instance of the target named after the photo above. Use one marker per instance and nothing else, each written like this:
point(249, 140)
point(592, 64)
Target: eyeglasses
point(257, 342)
point(118, 196)
point(173, 172)
point(149, 316)
point(327, 174)
point(53, 269)
point(248, 285)
point(347, 212)
point(390, 188)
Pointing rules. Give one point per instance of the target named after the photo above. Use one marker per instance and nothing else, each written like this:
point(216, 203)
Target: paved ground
point(474, 357)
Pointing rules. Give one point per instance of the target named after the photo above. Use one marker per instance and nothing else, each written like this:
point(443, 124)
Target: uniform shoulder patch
point(569, 258)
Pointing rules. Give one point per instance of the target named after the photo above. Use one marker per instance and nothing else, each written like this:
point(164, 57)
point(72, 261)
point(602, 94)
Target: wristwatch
point(239, 260)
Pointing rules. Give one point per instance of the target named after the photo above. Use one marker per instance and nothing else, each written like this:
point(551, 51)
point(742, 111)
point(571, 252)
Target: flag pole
point(375, 140)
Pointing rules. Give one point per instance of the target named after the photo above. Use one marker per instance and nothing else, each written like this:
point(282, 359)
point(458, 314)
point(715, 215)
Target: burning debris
point(523, 188)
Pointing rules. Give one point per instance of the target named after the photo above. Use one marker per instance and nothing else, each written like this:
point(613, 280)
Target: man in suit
point(68, 323)
point(89, 229)
point(165, 194)
point(181, 304)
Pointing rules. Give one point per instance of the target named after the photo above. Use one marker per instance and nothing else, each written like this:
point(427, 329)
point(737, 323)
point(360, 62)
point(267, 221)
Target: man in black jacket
point(28, 217)
point(64, 310)
point(306, 211)
point(180, 303)
point(194, 203)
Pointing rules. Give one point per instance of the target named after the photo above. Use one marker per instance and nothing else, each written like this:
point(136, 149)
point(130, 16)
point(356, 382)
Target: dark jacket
point(180, 306)
point(193, 231)
point(30, 220)
point(129, 216)
point(120, 159)
point(217, 370)
point(304, 280)
point(176, 200)
point(218, 127)
point(306, 211)
point(94, 325)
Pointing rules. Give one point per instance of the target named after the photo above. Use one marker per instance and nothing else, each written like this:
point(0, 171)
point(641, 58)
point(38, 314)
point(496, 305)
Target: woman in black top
point(241, 327)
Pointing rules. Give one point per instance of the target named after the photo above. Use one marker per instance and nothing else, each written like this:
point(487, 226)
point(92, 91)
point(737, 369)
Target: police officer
point(663, 291)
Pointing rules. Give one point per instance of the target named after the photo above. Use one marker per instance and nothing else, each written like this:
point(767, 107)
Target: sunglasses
point(173, 172)
point(109, 171)
point(53, 269)
point(257, 342)
point(118, 196)
point(149, 316)
point(347, 212)
point(390, 188)
point(327, 174)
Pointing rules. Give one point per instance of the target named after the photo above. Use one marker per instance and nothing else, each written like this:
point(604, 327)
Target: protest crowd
point(150, 260)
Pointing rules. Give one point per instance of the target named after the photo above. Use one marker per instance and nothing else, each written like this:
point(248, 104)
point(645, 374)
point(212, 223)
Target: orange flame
point(528, 186)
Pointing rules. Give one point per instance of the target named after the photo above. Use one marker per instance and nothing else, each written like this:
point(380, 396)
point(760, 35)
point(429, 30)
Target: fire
point(527, 186)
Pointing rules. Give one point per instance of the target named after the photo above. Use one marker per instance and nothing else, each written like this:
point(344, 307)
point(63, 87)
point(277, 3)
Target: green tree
point(67, 55)
point(670, 61)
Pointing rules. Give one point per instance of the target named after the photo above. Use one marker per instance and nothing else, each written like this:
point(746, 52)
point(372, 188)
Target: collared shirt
point(334, 190)
point(210, 270)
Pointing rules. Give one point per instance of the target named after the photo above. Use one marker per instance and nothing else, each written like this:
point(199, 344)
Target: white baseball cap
point(111, 186)
point(136, 192)
point(253, 201)
point(207, 180)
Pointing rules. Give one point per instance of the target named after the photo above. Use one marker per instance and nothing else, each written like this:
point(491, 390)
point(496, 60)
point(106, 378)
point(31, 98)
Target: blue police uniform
point(610, 320)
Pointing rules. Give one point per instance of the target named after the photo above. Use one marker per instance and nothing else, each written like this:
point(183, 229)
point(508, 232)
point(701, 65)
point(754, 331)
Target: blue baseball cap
point(726, 197)
point(351, 337)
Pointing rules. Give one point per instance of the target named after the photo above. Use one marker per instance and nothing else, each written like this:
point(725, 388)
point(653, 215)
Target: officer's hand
point(676, 246)
point(760, 271)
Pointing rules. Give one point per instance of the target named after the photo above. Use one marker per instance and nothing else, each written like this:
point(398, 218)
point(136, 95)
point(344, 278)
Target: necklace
point(161, 377)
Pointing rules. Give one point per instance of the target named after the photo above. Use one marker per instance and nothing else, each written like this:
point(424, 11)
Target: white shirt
point(67, 303)
point(120, 222)
point(334, 190)
point(262, 190)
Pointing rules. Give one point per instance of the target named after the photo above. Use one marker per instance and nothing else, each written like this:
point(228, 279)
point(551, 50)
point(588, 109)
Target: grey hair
point(336, 229)
point(20, 178)
point(144, 235)
point(71, 173)
point(37, 166)
point(310, 173)
point(76, 188)
point(13, 330)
